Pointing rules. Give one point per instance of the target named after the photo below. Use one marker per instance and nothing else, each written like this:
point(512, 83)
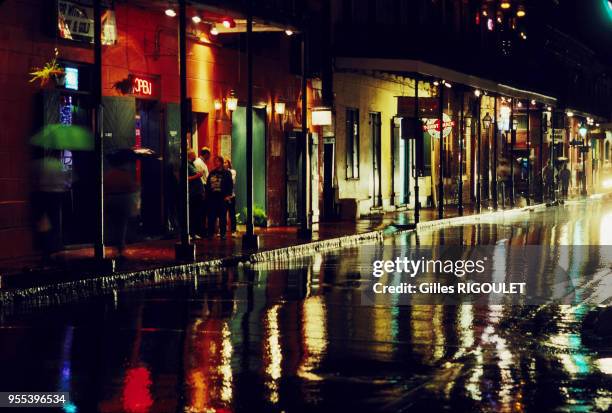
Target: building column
point(461, 135)
point(511, 157)
point(185, 250)
point(441, 160)
point(528, 154)
point(249, 239)
point(99, 250)
point(495, 155)
point(305, 230)
point(418, 145)
point(479, 157)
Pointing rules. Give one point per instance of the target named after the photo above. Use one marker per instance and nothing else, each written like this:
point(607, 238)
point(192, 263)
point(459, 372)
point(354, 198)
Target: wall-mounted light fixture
point(322, 117)
point(170, 12)
point(232, 101)
point(218, 104)
point(279, 108)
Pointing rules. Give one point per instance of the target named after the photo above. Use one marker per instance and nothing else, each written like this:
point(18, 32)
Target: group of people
point(211, 195)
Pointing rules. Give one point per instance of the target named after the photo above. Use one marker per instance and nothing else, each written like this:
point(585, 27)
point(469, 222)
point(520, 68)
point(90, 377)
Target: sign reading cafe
point(75, 22)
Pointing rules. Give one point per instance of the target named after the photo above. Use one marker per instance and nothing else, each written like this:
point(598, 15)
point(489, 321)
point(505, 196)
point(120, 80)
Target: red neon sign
point(142, 87)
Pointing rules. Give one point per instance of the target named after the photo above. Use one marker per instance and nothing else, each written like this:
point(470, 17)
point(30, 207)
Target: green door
point(259, 157)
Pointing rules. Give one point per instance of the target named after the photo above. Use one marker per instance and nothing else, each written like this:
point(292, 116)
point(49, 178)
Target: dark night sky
point(589, 22)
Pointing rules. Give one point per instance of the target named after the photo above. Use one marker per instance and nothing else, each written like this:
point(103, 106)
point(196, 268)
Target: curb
point(479, 217)
point(84, 288)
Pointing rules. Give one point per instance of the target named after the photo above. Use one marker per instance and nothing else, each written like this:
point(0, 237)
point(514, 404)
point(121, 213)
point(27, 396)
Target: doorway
point(375, 125)
point(403, 159)
point(329, 194)
point(149, 172)
point(238, 155)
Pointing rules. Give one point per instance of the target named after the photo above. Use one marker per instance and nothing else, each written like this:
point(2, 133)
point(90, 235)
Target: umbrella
point(58, 136)
point(125, 155)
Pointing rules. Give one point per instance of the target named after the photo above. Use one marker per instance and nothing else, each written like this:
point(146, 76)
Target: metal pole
point(249, 240)
point(528, 154)
point(418, 133)
point(461, 135)
point(542, 155)
point(305, 224)
point(99, 250)
point(441, 167)
point(185, 250)
point(583, 153)
point(552, 156)
point(495, 155)
point(511, 157)
point(478, 166)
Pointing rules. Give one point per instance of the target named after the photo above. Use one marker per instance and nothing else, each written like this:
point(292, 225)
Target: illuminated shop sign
point(75, 21)
point(72, 78)
point(432, 126)
point(142, 86)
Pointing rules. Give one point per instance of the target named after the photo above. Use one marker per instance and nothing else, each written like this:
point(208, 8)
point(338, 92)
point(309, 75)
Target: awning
point(413, 67)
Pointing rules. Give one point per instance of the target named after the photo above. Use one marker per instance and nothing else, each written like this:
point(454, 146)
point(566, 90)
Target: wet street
point(293, 336)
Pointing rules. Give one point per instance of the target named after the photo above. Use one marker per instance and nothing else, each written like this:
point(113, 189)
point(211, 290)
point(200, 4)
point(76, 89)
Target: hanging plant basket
point(51, 70)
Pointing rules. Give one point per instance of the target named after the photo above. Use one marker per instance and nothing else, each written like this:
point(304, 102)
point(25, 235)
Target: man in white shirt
point(202, 168)
point(200, 163)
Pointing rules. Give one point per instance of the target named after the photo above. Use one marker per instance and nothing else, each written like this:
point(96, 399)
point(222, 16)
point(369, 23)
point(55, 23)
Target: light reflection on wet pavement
point(295, 338)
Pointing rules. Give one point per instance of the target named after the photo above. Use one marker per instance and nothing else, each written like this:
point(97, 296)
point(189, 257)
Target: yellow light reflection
point(314, 332)
point(273, 356)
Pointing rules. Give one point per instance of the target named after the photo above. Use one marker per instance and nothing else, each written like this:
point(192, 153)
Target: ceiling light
point(170, 13)
point(519, 104)
point(533, 102)
point(505, 4)
point(477, 93)
point(196, 19)
point(289, 32)
point(520, 12)
point(570, 114)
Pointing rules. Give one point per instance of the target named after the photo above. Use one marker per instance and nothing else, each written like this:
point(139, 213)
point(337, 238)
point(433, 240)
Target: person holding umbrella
point(50, 180)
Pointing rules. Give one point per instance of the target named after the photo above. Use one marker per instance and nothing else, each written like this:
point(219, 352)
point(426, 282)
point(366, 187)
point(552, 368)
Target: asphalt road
point(296, 336)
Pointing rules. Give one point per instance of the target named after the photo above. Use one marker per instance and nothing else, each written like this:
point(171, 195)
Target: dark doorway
point(292, 178)
point(375, 124)
point(78, 206)
point(329, 147)
point(259, 159)
point(149, 172)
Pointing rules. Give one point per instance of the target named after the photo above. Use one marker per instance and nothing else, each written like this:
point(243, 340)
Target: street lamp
point(486, 121)
point(583, 151)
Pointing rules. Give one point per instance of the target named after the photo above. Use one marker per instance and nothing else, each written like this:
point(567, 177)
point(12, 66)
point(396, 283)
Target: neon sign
point(142, 87)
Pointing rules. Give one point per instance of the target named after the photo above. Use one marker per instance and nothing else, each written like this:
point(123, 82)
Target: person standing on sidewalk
point(201, 166)
point(231, 205)
point(219, 190)
point(564, 177)
point(196, 197)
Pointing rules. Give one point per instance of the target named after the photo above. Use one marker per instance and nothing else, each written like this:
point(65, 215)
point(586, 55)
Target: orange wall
point(212, 72)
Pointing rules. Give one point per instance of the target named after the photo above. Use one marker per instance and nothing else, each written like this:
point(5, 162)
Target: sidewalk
point(156, 257)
